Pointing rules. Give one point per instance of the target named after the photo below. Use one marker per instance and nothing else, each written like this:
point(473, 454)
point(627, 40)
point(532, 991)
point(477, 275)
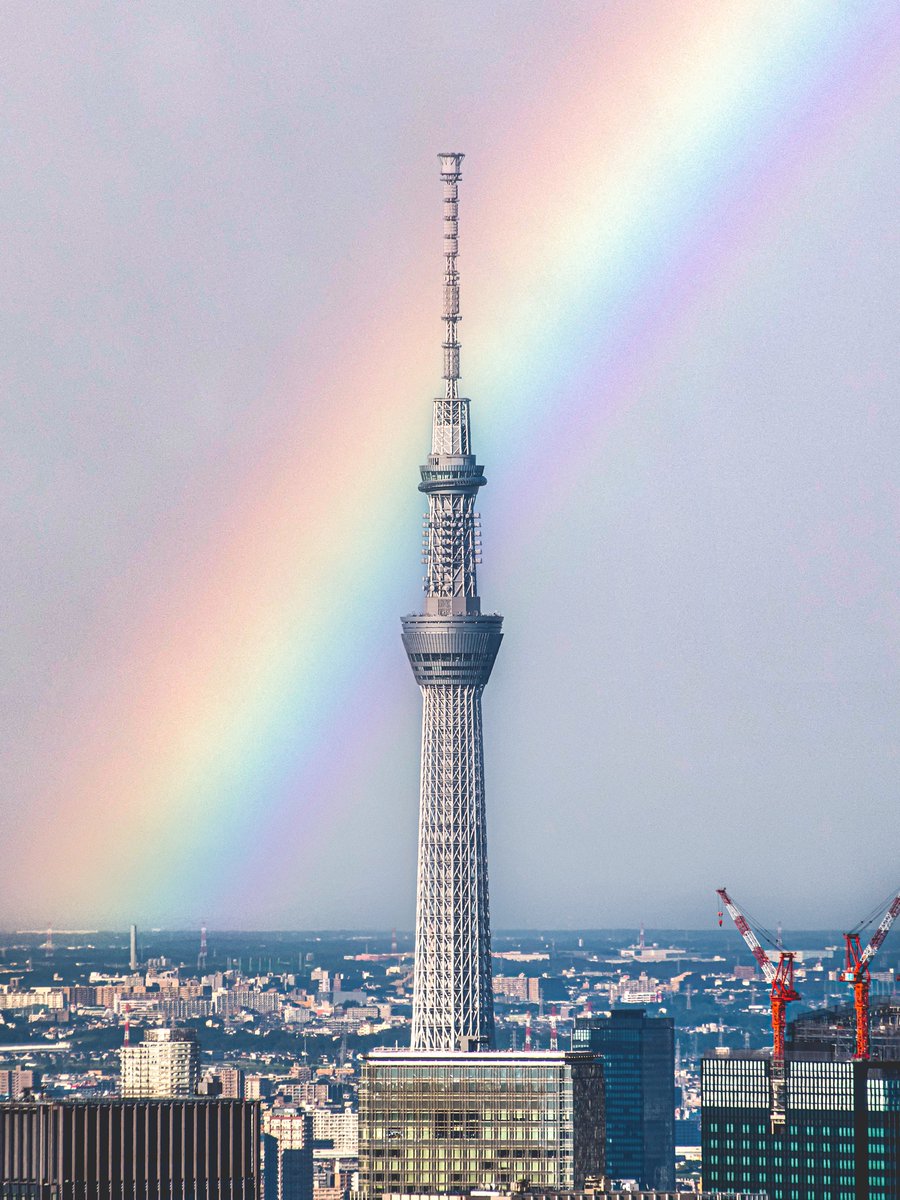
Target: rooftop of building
point(118, 1101)
point(591, 1195)
point(884, 1018)
point(725, 1054)
point(168, 1033)
point(503, 1058)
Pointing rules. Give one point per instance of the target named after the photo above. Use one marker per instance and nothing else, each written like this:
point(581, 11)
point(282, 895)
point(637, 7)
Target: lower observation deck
point(458, 650)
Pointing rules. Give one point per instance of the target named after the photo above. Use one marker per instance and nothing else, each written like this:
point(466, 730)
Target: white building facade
point(165, 1064)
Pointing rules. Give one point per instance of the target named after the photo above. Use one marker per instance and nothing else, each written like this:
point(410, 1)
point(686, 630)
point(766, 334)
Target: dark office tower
point(129, 1150)
point(288, 1154)
point(451, 647)
point(639, 1082)
point(840, 1139)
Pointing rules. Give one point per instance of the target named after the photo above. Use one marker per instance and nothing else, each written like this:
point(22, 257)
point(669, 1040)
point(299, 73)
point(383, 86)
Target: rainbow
point(253, 704)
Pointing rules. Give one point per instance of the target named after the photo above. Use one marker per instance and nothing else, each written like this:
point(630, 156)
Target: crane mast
point(782, 993)
point(856, 971)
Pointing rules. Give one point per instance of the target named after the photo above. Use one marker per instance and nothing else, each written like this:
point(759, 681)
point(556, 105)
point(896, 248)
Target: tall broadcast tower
point(451, 648)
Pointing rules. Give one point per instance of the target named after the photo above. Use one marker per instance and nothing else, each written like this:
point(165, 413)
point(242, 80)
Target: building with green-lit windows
point(444, 1122)
point(840, 1138)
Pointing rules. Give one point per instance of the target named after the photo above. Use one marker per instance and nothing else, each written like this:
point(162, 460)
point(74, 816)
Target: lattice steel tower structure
point(451, 647)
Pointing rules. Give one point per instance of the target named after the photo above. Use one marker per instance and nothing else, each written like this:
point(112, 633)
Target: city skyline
point(220, 287)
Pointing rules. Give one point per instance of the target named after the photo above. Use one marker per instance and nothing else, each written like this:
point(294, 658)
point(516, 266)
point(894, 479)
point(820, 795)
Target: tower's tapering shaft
point(452, 647)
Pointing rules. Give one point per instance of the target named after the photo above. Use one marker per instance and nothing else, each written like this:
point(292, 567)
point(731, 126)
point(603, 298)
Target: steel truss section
point(452, 1000)
point(452, 546)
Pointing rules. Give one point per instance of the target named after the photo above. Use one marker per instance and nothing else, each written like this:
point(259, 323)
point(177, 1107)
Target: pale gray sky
point(693, 538)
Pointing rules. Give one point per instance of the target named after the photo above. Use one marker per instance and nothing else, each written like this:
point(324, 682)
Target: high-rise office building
point(133, 949)
point(840, 1139)
point(165, 1064)
point(639, 1086)
point(451, 647)
point(288, 1154)
point(452, 1114)
point(129, 1149)
point(445, 1122)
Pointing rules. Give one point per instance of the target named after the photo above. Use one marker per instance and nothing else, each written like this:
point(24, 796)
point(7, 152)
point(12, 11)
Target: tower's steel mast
point(451, 648)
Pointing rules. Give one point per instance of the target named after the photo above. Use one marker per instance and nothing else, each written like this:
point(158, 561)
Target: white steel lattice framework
point(452, 647)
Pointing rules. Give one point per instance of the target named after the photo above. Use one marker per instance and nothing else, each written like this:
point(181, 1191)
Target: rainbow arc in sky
point(637, 183)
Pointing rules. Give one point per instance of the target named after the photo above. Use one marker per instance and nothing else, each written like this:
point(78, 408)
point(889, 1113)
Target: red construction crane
point(781, 979)
point(856, 971)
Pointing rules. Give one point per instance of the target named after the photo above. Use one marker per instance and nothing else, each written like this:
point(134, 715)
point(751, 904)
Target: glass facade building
point(445, 1122)
point(639, 1084)
point(840, 1140)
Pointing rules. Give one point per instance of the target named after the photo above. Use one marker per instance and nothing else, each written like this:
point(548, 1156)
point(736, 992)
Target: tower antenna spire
point(451, 174)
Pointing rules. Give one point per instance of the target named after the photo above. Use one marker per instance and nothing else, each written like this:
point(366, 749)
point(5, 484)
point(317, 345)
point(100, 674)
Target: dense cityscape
point(286, 1018)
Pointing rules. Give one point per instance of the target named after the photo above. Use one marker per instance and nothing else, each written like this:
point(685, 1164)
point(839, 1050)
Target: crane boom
point(856, 971)
point(882, 931)
point(743, 927)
